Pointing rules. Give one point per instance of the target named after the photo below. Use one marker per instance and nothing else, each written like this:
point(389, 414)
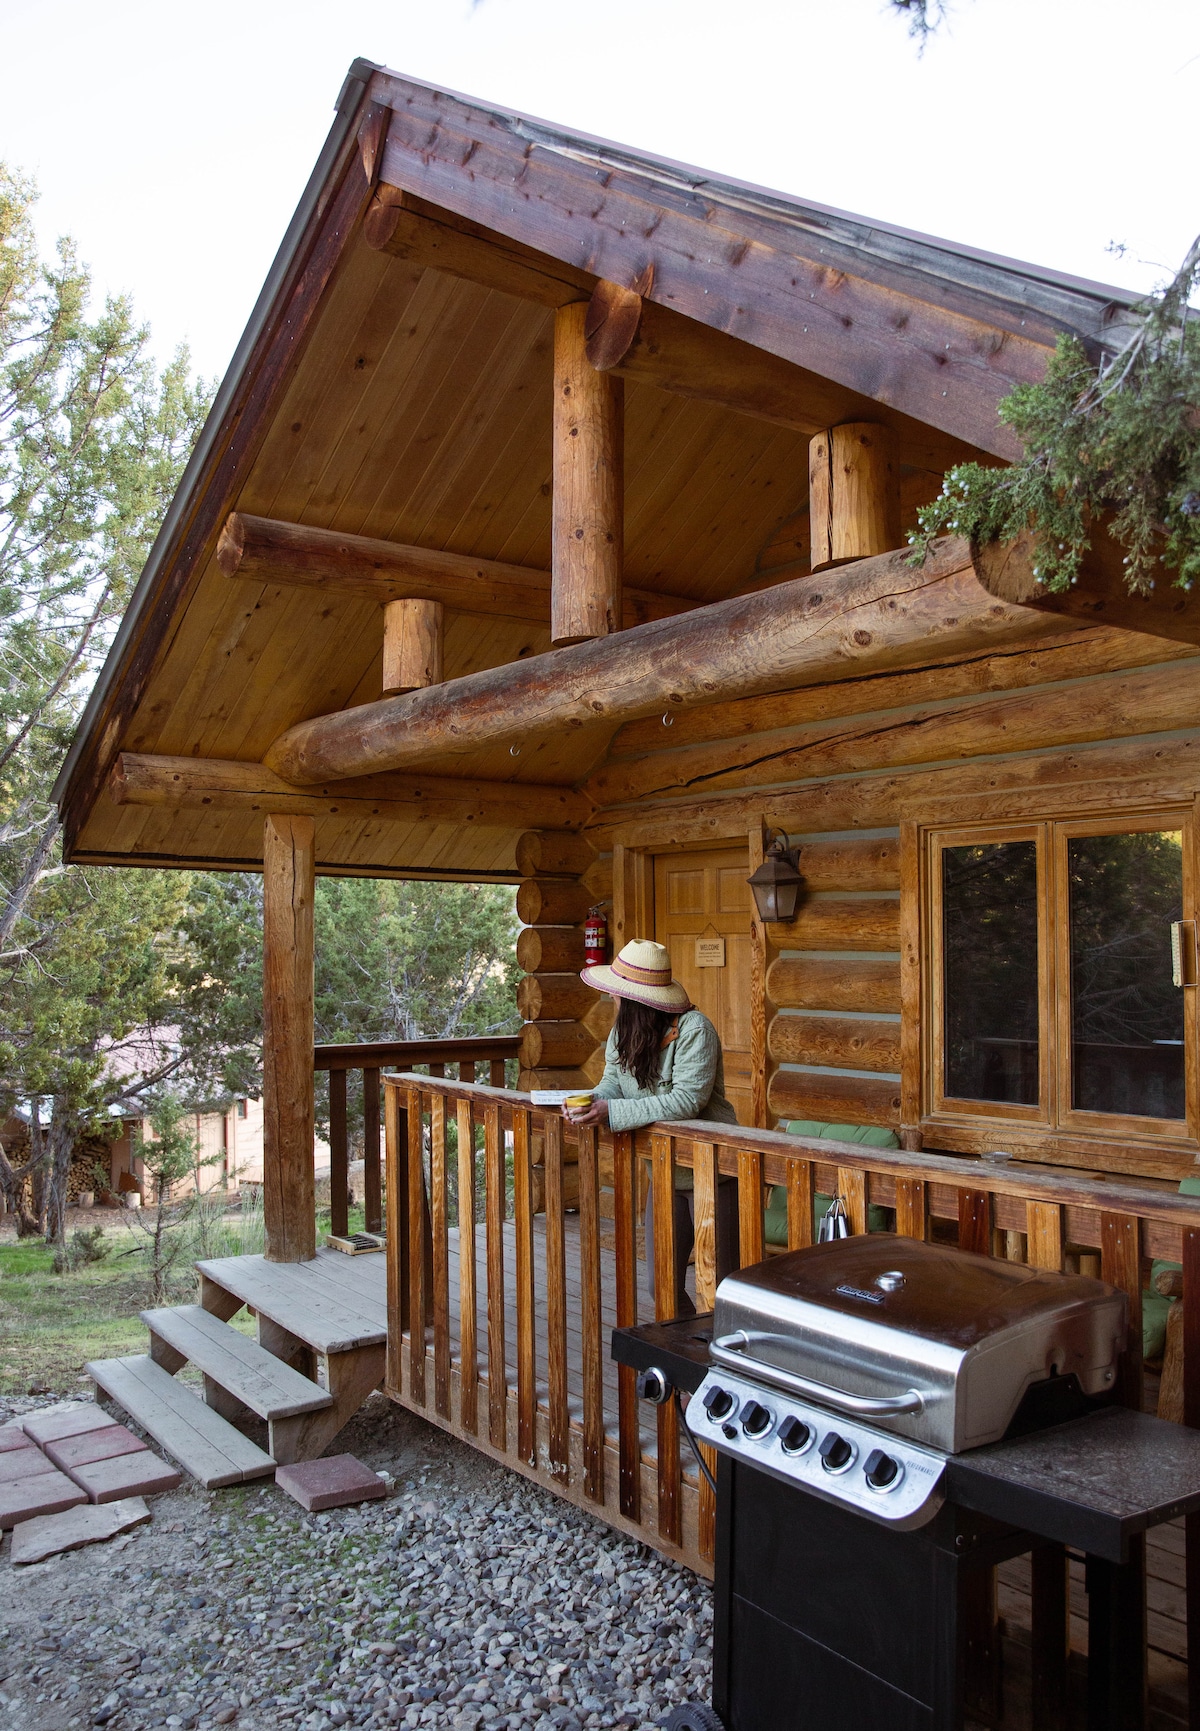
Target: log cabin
point(550, 528)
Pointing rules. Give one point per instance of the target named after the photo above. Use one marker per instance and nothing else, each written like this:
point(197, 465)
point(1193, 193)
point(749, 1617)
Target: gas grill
point(853, 1369)
point(891, 1419)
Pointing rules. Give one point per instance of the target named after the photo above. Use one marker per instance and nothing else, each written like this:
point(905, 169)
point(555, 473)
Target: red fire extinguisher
point(595, 937)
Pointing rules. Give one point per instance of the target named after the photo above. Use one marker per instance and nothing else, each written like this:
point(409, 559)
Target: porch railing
point(466, 1055)
point(510, 1351)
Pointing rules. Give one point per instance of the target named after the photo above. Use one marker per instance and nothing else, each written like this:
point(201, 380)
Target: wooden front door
point(705, 895)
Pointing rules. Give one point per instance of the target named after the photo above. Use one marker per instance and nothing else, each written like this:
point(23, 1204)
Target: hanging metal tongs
point(835, 1223)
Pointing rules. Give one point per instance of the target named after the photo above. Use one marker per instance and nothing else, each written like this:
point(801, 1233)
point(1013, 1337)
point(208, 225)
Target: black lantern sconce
point(777, 883)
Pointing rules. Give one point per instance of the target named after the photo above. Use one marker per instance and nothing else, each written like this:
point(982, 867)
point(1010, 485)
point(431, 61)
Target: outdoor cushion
point(1154, 1305)
point(870, 1135)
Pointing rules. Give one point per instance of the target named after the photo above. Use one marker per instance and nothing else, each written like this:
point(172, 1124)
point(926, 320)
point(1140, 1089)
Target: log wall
point(564, 1024)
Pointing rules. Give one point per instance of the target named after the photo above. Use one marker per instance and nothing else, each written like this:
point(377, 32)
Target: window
point(1048, 975)
point(242, 1109)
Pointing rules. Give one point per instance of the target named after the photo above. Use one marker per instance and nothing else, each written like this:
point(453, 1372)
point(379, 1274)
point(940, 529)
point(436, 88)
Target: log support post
point(412, 645)
point(854, 494)
point(589, 534)
point(566, 1023)
point(289, 881)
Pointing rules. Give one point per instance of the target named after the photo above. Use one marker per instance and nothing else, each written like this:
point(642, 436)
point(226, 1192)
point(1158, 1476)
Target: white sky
point(173, 140)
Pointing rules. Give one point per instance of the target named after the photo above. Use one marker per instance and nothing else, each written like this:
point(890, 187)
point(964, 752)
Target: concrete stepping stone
point(136, 1475)
point(12, 1436)
point(46, 1535)
point(67, 1419)
point(23, 1464)
point(94, 1445)
point(46, 1494)
point(330, 1483)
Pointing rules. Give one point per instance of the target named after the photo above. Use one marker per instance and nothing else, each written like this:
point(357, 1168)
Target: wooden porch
point(514, 1358)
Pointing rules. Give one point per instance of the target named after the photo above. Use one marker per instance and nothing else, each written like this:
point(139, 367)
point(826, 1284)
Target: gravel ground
point(469, 1598)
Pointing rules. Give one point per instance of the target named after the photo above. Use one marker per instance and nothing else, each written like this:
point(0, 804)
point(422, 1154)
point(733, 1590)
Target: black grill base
point(826, 1621)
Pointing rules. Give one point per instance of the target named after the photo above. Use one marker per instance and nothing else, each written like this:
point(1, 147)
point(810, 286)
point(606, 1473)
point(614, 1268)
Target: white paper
point(552, 1096)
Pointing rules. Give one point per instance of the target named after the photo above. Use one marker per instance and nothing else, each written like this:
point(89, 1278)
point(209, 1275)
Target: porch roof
point(384, 391)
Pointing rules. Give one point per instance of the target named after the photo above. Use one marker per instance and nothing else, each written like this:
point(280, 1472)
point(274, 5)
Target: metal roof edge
point(358, 79)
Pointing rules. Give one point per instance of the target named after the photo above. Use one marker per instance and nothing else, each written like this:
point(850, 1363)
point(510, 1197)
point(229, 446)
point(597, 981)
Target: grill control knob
point(653, 1386)
point(756, 1420)
point(718, 1402)
point(795, 1436)
point(837, 1453)
point(882, 1472)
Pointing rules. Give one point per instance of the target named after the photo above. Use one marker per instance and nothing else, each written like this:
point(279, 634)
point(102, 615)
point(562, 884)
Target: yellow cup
point(577, 1102)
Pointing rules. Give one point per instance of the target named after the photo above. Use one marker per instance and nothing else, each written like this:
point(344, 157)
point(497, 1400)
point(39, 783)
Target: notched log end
point(611, 324)
point(383, 217)
point(231, 545)
point(1005, 569)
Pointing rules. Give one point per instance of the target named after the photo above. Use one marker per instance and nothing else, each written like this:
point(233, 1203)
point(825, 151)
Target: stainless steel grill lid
point(931, 1343)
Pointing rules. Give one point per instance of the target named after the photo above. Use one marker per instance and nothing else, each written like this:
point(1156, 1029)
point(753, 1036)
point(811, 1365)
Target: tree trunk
point(62, 1146)
point(12, 1188)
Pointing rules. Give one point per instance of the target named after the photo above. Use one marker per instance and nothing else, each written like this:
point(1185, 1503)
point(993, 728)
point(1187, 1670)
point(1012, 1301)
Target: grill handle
point(730, 1351)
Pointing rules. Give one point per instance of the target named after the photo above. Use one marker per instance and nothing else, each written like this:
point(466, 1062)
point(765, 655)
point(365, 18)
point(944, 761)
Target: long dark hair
point(641, 1031)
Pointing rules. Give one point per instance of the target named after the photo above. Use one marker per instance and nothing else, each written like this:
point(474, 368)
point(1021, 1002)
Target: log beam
point(219, 784)
point(589, 488)
point(653, 345)
point(264, 550)
point(853, 494)
point(289, 881)
point(413, 638)
point(877, 614)
point(1099, 597)
point(553, 855)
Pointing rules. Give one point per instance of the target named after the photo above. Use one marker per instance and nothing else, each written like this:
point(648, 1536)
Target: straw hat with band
point(642, 971)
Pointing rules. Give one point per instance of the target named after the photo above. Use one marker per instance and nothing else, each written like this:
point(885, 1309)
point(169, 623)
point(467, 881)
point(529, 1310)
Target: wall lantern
point(777, 882)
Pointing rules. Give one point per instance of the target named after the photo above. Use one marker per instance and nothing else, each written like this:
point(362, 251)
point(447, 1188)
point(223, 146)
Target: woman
point(663, 1062)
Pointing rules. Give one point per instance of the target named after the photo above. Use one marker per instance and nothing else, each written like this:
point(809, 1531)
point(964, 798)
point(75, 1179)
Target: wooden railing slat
point(372, 1196)
point(339, 1156)
point(396, 1153)
point(468, 1378)
point(526, 1321)
point(852, 1188)
point(556, 1299)
point(750, 1206)
point(493, 1172)
point(1044, 1224)
point(416, 1248)
point(625, 1211)
point(704, 1180)
point(1190, 1303)
point(441, 1256)
point(912, 1208)
point(799, 1204)
point(662, 1177)
point(1121, 1266)
point(975, 1221)
point(591, 1315)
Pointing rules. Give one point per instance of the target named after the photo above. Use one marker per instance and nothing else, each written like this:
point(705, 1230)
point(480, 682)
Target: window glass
point(990, 937)
point(1126, 1015)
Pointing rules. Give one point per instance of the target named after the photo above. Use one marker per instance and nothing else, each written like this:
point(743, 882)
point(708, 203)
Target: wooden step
point(238, 1364)
point(204, 1444)
point(331, 1308)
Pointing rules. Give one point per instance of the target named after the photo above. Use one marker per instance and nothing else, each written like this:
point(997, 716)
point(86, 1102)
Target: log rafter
point(266, 550)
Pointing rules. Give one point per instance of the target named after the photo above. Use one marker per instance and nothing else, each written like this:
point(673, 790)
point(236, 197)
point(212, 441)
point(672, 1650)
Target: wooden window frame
point(1053, 1124)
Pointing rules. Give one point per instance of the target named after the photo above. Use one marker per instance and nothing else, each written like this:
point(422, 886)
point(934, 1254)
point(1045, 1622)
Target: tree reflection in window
point(990, 938)
point(1126, 1014)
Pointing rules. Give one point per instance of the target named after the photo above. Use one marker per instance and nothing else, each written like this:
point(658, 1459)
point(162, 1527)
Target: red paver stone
point(44, 1495)
point(19, 1464)
point(94, 1445)
point(64, 1421)
point(13, 1437)
point(330, 1483)
point(138, 1475)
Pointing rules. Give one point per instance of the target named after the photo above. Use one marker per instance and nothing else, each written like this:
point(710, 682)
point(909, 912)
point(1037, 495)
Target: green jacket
point(690, 1083)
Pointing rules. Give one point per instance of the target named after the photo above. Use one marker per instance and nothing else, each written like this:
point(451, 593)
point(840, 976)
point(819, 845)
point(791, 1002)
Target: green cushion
point(1154, 1305)
point(870, 1135)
